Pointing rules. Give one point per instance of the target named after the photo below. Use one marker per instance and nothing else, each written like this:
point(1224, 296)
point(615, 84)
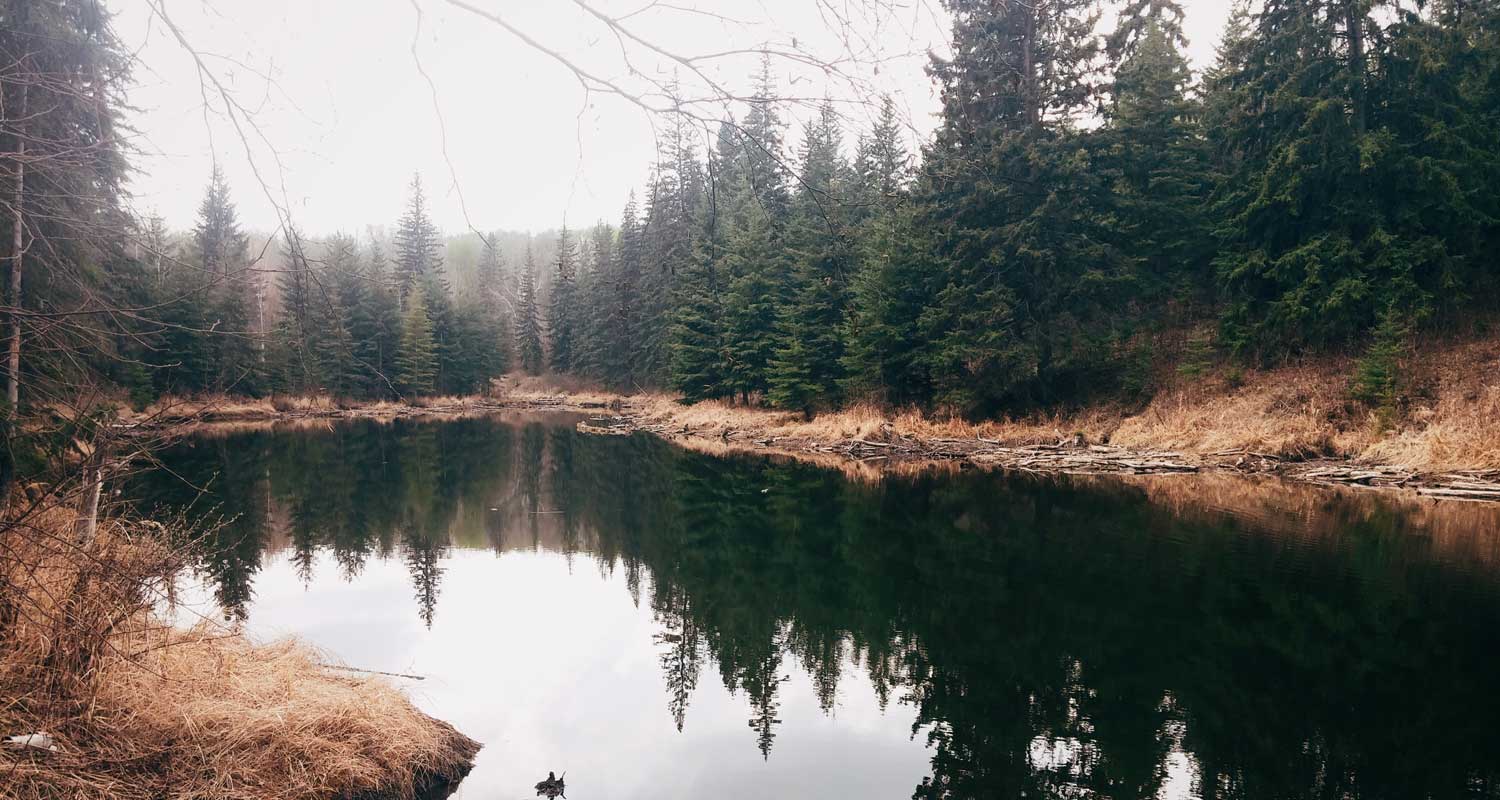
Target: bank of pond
point(664, 623)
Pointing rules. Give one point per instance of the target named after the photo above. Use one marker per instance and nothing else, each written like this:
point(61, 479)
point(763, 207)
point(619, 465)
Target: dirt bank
point(133, 707)
point(1294, 422)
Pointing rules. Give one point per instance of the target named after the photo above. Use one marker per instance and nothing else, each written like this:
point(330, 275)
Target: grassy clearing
point(141, 709)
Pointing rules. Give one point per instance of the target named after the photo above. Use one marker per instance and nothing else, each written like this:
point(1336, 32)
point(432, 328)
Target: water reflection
point(1055, 638)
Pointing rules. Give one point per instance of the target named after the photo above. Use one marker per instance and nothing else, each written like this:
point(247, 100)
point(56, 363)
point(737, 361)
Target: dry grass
point(1451, 420)
point(140, 709)
point(1456, 425)
point(1295, 412)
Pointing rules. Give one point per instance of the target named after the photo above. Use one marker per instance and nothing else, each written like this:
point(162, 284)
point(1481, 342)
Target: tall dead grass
point(1450, 419)
point(141, 709)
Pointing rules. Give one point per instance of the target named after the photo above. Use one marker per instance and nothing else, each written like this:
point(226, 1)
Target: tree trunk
point(88, 510)
point(17, 256)
point(1355, 25)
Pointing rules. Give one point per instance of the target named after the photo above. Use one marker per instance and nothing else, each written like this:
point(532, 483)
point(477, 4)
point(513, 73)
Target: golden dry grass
point(140, 709)
point(1451, 421)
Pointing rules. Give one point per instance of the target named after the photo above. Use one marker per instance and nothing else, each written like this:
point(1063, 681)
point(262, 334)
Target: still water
point(668, 624)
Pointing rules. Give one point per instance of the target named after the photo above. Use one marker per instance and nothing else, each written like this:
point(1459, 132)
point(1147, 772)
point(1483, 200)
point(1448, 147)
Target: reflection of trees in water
point(1053, 638)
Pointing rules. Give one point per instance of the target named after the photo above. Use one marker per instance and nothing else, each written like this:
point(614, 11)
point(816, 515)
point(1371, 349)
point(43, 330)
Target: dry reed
point(140, 709)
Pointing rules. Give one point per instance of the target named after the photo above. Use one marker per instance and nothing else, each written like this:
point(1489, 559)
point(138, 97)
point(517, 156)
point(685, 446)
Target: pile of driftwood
point(606, 426)
point(1468, 484)
point(1077, 456)
point(1072, 458)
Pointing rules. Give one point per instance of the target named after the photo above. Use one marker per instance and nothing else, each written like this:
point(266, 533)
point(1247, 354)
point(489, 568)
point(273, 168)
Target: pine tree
point(664, 250)
point(528, 319)
point(418, 246)
point(699, 366)
point(755, 265)
point(1350, 177)
point(296, 368)
point(377, 345)
point(416, 366)
point(806, 372)
point(220, 247)
point(494, 306)
point(889, 289)
point(334, 347)
point(1156, 150)
point(562, 316)
point(1012, 200)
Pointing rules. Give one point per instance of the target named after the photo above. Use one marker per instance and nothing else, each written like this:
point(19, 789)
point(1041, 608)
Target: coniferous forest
point(1090, 215)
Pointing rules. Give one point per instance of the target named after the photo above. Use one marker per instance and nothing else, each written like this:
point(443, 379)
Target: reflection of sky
point(553, 668)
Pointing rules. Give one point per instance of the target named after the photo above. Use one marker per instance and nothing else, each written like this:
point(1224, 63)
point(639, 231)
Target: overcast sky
point(336, 91)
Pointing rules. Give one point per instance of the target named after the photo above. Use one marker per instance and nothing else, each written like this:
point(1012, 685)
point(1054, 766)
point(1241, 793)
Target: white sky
point(352, 117)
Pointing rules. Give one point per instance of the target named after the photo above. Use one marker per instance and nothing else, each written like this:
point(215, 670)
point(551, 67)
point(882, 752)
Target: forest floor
point(124, 704)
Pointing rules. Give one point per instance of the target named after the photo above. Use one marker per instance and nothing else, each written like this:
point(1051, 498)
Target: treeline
point(338, 317)
point(1088, 212)
point(1088, 215)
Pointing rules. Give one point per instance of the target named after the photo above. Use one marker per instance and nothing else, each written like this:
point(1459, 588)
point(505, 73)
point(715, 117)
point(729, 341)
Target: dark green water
point(667, 624)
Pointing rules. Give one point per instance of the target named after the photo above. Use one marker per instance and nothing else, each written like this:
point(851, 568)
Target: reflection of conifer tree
point(633, 580)
point(533, 449)
point(822, 653)
point(682, 660)
point(233, 556)
point(423, 557)
point(304, 550)
point(761, 681)
point(565, 489)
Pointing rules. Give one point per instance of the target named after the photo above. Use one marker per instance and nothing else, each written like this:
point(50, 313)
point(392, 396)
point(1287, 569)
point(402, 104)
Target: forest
point(1091, 219)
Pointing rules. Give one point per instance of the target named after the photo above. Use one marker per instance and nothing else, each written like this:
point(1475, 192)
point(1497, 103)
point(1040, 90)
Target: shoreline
point(125, 704)
point(876, 442)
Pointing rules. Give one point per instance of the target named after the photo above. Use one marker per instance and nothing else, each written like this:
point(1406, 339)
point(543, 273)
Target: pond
point(662, 623)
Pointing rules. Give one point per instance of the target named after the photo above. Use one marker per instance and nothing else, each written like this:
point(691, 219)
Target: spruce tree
point(1156, 152)
point(378, 345)
point(293, 342)
point(220, 249)
point(528, 319)
point(494, 306)
point(418, 245)
point(416, 360)
point(562, 316)
point(1015, 207)
point(626, 306)
point(806, 372)
point(889, 289)
point(664, 250)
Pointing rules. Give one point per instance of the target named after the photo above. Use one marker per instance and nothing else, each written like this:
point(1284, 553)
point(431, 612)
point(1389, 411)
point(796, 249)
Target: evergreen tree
point(528, 319)
point(806, 371)
point(377, 328)
point(341, 375)
point(663, 250)
point(494, 307)
point(1357, 173)
point(562, 316)
point(418, 245)
point(1156, 150)
point(416, 366)
point(220, 250)
point(293, 348)
point(755, 265)
point(699, 365)
point(889, 290)
point(1013, 201)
